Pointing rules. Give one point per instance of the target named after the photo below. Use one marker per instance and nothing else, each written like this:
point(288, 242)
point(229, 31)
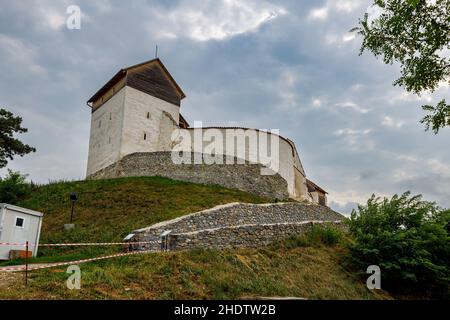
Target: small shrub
point(297, 241)
point(408, 239)
point(14, 187)
point(327, 234)
point(319, 234)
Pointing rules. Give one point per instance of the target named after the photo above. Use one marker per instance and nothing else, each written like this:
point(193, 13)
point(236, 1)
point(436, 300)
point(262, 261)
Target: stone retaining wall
point(239, 224)
point(246, 177)
point(240, 236)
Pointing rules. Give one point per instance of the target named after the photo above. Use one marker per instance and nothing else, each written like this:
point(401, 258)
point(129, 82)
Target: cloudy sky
point(288, 65)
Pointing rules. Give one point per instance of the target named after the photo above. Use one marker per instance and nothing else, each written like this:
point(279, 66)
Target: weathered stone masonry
point(239, 225)
point(241, 236)
point(246, 177)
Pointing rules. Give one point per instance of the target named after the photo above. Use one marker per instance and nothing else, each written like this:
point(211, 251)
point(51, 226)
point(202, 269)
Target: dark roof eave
point(108, 85)
point(315, 186)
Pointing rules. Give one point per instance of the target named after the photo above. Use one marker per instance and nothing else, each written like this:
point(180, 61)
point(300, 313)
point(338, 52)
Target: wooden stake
point(26, 264)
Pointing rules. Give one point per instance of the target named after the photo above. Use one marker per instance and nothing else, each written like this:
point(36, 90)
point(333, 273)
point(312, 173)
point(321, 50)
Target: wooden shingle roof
point(151, 77)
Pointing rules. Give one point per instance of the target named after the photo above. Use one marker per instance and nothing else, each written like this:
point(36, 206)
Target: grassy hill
point(108, 210)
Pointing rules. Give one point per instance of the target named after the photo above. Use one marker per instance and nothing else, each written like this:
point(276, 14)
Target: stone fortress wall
point(276, 153)
point(245, 177)
point(152, 156)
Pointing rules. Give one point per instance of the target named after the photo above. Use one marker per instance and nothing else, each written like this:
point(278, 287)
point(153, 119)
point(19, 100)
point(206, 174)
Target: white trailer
point(18, 225)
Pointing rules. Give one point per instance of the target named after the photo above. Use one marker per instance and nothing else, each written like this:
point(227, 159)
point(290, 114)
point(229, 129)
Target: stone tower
point(130, 114)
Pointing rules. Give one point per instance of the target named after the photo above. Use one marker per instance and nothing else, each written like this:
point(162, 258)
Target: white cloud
point(340, 6)
point(406, 157)
point(352, 132)
point(374, 12)
point(391, 123)
point(52, 15)
point(318, 14)
point(16, 51)
point(443, 84)
point(351, 105)
point(351, 195)
point(349, 36)
point(213, 20)
point(356, 140)
point(332, 38)
point(402, 174)
point(102, 6)
point(347, 5)
point(316, 103)
point(357, 87)
point(287, 90)
point(408, 96)
point(288, 78)
point(53, 18)
point(439, 167)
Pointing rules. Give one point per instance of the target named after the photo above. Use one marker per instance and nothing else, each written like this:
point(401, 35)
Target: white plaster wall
point(105, 138)
point(284, 165)
point(136, 123)
point(315, 197)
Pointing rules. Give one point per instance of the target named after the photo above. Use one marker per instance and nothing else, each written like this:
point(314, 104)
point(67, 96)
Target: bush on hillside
point(319, 234)
point(326, 234)
point(14, 187)
point(408, 238)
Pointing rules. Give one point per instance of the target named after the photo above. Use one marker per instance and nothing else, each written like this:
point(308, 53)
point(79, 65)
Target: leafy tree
point(415, 33)
point(14, 187)
point(10, 146)
point(409, 240)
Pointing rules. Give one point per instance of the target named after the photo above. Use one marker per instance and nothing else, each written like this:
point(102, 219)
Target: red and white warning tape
point(13, 244)
point(75, 244)
point(12, 269)
point(59, 264)
point(94, 244)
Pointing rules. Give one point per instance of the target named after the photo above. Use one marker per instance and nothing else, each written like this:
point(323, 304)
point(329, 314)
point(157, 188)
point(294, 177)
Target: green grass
point(108, 210)
point(326, 235)
point(308, 266)
point(281, 269)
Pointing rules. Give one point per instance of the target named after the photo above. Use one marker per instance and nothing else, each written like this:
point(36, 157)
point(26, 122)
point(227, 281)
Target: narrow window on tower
point(148, 115)
point(145, 136)
point(100, 123)
point(110, 116)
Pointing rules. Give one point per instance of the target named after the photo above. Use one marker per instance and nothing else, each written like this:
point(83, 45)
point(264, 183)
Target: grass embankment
point(291, 267)
point(108, 210)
